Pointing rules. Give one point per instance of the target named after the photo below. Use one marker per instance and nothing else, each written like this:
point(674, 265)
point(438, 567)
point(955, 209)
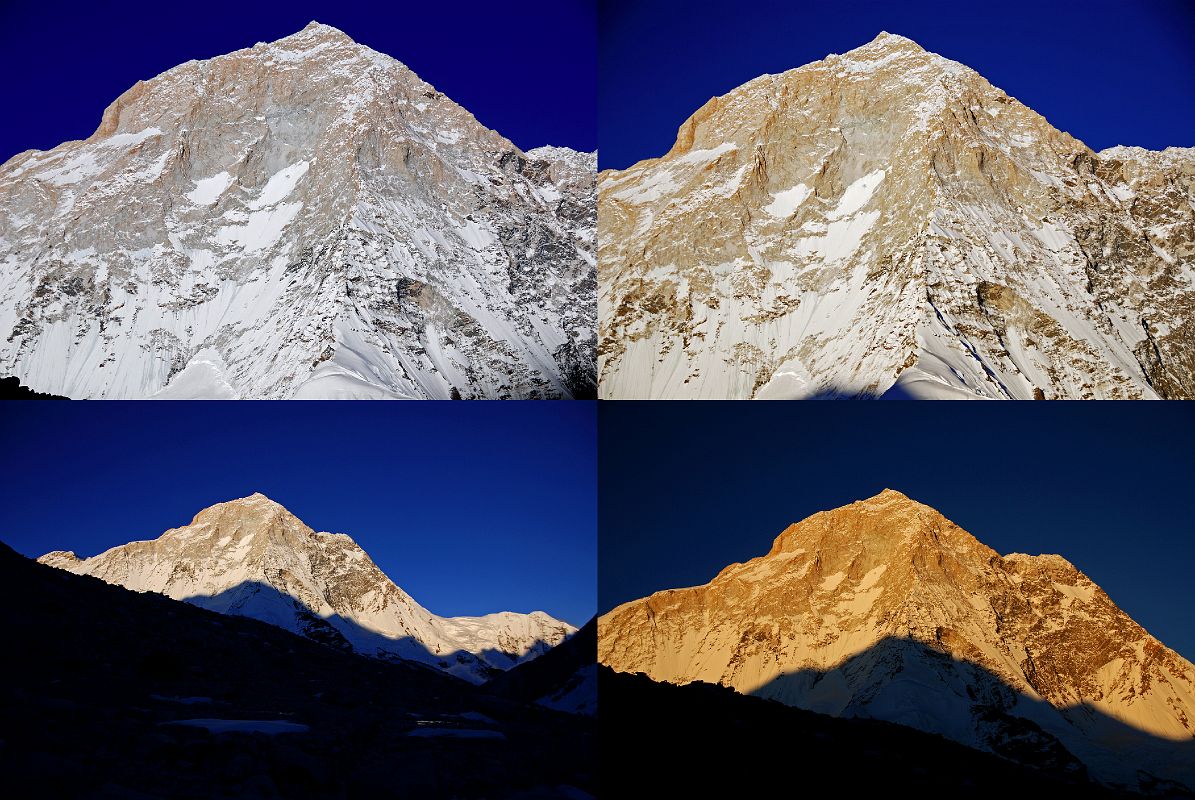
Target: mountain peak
point(893, 51)
point(259, 157)
point(251, 557)
point(802, 180)
point(319, 27)
point(63, 559)
point(891, 494)
point(256, 507)
point(884, 608)
point(256, 497)
point(257, 500)
point(890, 41)
point(893, 499)
point(320, 30)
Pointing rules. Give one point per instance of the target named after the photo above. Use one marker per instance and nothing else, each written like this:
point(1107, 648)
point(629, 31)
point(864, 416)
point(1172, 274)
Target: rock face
point(886, 609)
point(887, 220)
point(251, 557)
point(306, 219)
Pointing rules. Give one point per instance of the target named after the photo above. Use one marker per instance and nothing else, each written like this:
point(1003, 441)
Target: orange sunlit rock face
point(886, 608)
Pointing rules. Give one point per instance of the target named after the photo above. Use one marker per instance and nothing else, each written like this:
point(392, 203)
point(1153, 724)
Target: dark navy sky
point(688, 488)
point(469, 507)
point(527, 70)
point(1106, 71)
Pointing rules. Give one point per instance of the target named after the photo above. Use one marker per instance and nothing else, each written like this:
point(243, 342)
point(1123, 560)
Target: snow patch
point(857, 194)
point(785, 202)
point(207, 190)
point(702, 156)
point(830, 583)
point(262, 229)
point(280, 185)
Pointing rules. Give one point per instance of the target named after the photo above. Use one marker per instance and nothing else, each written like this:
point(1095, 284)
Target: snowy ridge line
point(251, 557)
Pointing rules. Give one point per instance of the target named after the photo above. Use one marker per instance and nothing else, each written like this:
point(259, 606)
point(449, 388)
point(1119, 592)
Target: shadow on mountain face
point(95, 674)
point(709, 741)
point(264, 602)
point(896, 392)
point(930, 690)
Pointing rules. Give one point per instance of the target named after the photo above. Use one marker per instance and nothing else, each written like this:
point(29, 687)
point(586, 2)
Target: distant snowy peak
point(884, 608)
point(577, 160)
point(887, 222)
point(63, 559)
point(306, 218)
point(252, 557)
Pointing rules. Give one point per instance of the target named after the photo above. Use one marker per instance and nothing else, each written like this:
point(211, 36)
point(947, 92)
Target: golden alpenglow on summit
point(888, 223)
point(884, 609)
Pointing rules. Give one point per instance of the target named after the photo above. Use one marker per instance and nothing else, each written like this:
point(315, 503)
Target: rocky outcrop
point(305, 218)
point(888, 221)
point(886, 609)
point(251, 557)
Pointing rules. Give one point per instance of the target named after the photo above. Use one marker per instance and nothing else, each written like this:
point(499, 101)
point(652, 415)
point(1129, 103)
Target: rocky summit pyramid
point(886, 609)
point(305, 218)
point(251, 557)
point(887, 221)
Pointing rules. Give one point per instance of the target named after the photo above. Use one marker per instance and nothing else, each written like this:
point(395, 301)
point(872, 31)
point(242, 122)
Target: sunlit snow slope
point(888, 222)
point(305, 218)
point(253, 558)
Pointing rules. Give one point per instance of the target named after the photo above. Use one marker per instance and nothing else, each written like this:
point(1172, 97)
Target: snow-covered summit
point(553, 153)
point(303, 218)
point(888, 222)
point(253, 557)
point(312, 32)
point(320, 30)
point(884, 44)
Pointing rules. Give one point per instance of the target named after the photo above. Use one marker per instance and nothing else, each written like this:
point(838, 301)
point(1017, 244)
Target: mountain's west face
point(305, 218)
point(886, 609)
point(888, 218)
point(252, 557)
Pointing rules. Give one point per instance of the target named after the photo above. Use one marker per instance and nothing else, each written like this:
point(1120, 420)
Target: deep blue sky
point(527, 70)
point(469, 507)
point(688, 488)
point(1107, 71)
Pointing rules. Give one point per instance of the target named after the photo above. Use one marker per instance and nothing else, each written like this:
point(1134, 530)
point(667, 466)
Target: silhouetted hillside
point(96, 675)
point(11, 389)
point(554, 672)
point(711, 741)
